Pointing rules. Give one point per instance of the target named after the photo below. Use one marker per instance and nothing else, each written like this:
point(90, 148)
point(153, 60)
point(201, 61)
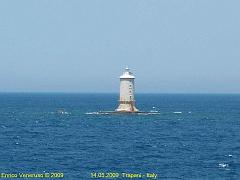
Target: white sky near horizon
point(171, 46)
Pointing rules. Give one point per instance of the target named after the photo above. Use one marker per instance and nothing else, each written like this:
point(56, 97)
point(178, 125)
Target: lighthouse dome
point(127, 74)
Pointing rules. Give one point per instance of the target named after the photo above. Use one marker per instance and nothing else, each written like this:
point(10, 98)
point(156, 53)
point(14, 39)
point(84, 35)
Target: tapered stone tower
point(127, 101)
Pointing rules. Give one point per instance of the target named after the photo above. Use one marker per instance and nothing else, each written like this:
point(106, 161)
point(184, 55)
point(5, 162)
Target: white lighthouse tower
point(126, 101)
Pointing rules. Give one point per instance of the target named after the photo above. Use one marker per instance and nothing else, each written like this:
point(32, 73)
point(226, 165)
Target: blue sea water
point(42, 133)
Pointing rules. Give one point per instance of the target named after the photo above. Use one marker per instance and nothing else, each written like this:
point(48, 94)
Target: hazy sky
point(172, 46)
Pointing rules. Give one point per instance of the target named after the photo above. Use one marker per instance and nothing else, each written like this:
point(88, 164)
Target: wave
point(96, 113)
point(63, 112)
point(177, 112)
point(223, 165)
point(119, 113)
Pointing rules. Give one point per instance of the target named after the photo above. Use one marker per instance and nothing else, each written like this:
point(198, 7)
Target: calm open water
point(51, 133)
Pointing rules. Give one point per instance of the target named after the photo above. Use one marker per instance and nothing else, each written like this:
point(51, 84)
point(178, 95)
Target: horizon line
point(74, 92)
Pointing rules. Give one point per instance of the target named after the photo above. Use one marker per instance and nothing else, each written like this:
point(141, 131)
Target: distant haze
point(171, 46)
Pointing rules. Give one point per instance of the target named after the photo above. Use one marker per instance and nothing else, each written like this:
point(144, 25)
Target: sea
point(62, 135)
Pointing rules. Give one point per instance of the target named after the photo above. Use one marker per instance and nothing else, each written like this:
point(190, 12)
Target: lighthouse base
point(127, 106)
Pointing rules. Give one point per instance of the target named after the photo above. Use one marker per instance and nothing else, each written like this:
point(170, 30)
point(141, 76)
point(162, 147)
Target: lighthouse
point(127, 101)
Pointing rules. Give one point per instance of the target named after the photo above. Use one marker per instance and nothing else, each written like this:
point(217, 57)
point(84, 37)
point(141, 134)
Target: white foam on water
point(143, 114)
point(107, 113)
point(223, 165)
point(154, 113)
point(92, 113)
point(177, 112)
point(148, 113)
point(62, 111)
